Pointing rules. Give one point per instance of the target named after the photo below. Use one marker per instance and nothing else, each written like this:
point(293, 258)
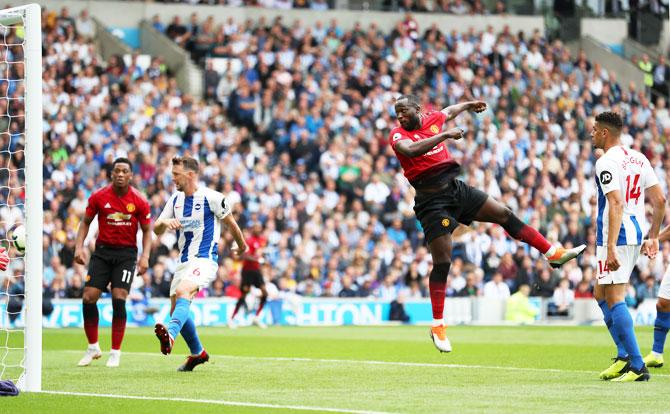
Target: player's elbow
point(409, 152)
point(659, 201)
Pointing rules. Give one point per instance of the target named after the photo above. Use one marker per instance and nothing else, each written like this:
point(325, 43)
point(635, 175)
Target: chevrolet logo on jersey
point(118, 216)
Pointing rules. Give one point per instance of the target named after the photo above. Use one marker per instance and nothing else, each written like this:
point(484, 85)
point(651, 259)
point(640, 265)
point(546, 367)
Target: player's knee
point(440, 272)
point(89, 299)
point(663, 305)
point(510, 222)
point(183, 292)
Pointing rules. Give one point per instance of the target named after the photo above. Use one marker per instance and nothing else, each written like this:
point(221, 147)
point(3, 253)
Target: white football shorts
point(197, 270)
point(627, 259)
point(664, 289)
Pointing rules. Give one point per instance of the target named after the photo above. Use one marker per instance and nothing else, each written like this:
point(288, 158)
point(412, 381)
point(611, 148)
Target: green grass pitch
point(348, 369)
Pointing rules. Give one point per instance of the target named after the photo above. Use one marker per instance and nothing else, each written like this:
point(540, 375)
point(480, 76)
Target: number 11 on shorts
point(127, 276)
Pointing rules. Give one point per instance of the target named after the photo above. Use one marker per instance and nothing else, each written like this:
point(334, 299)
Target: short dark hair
point(122, 160)
point(610, 119)
point(411, 99)
point(188, 163)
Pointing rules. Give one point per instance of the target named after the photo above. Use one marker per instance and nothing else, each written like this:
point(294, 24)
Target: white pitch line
point(369, 362)
point(217, 402)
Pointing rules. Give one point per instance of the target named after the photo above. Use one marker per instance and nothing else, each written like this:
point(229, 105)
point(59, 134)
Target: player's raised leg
point(440, 249)
point(621, 363)
point(181, 299)
point(91, 317)
point(493, 211)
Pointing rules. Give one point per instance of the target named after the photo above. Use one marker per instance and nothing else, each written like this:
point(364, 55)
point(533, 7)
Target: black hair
point(122, 160)
point(611, 119)
point(411, 99)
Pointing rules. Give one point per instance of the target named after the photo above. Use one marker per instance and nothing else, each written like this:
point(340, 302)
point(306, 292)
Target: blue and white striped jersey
point(199, 216)
point(629, 172)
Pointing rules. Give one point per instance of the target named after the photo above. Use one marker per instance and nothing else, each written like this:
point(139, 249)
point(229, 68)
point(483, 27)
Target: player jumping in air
point(120, 209)
point(252, 275)
point(442, 201)
point(195, 213)
point(623, 178)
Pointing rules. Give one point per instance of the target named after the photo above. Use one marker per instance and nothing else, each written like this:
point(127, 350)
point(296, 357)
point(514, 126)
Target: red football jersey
point(255, 243)
point(118, 217)
point(436, 158)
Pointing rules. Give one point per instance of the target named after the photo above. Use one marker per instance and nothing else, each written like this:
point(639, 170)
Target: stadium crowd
point(458, 7)
point(297, 139)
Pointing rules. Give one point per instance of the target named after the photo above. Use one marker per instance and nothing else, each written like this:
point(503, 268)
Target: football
point(18, 238)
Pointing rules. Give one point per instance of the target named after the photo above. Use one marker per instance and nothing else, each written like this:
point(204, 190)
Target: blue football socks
point(179, 317)
point(661, 327)
point(623, 325)
point(621, 351)
point(191, 337)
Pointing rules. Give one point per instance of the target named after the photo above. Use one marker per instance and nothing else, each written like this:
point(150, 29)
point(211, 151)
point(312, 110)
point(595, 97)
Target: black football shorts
point(440, 212)
point(115, 265)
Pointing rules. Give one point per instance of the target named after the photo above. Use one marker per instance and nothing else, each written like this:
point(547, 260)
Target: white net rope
point(12, 195)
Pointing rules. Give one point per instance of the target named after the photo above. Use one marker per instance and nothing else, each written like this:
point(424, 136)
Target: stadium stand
point(294, 131)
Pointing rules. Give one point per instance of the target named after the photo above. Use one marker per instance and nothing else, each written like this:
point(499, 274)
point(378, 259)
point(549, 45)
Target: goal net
point(21, 195)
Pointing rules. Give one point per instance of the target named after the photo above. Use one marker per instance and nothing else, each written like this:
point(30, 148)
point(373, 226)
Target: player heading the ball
point(442, 201)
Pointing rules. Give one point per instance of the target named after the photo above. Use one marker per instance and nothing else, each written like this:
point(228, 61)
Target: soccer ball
point(18, 238)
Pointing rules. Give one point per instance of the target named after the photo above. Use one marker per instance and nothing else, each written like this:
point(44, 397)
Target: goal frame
point(31, 379)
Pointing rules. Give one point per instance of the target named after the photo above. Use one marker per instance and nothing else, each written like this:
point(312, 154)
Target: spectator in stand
point(321, 120)
point(562, 299)
point(647, 290)
point(496, 288)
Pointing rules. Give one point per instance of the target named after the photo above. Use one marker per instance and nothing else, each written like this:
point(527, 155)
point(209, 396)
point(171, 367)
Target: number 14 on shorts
point(602, 267)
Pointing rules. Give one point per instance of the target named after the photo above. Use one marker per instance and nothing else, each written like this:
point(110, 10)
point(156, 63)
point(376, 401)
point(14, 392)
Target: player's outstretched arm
point(231, 224)
point(453, 111)
point(82, 232)
point(615, 216)
point(417, 148)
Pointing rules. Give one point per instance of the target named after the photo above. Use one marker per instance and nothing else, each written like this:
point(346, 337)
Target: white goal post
point(28, 20)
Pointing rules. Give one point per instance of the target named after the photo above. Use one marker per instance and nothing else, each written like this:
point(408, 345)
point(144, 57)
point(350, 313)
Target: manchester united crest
point(434, 129)
point(445, 222)
point(130, 207)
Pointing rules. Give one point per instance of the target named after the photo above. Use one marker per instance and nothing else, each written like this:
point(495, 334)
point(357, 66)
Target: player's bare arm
point(162, 225)
point(82, 232)
point(453, 111)
point(615, 218)
point(657, 200)
point(143, 262)
point(231, 224)
point(418, 148)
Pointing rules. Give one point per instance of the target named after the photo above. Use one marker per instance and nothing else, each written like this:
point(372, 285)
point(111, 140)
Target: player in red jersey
point(251, 273)
point(121, 209)
point(442, 201)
